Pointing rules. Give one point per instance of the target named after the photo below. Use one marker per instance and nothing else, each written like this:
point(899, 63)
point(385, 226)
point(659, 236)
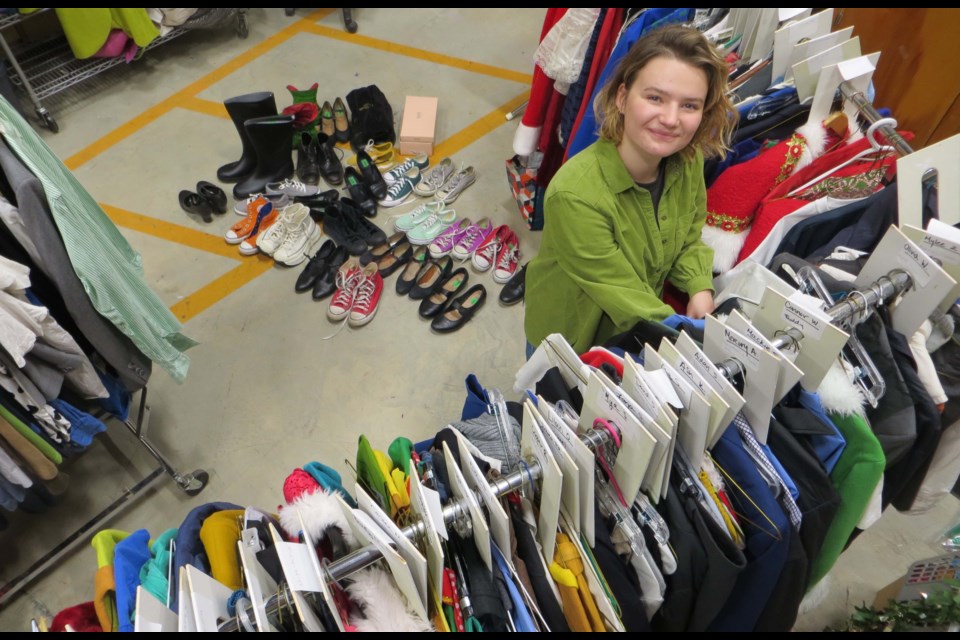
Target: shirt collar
point(615, 172)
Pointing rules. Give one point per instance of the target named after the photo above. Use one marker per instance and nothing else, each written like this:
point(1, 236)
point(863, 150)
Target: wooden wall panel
point(918, 76)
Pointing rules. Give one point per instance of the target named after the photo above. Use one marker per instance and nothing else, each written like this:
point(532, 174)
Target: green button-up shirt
point(605, 253)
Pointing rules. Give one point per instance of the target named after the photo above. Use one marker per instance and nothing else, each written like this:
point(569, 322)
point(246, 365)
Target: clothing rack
point(190, 483)
point(854, 304)
point(452, 512)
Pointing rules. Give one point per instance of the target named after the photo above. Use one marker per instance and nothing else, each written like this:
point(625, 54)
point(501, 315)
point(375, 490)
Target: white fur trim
point(839, 395)
point(816, 136)
point(382, 605)
point(726, 246)
point(319, 510)
point(525, 140)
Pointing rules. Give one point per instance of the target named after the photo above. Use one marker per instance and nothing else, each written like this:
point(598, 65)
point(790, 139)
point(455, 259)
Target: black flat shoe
point(214, 195)
point(326, 284)
point(512, 292)
point(461, 310)
point(411, 273)
point(195, 203)
point(371, 175)
point(319, 199)
point(315, 268)
point(430, 279)
point(396, 258)
point(375, 253)
point(453, 285)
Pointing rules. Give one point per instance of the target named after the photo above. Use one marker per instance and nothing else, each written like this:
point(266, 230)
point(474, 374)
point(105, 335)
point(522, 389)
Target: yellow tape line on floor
point(210, 294)
point(479, 128)
point(422, 54)
point(179, 234)
point(190, 91)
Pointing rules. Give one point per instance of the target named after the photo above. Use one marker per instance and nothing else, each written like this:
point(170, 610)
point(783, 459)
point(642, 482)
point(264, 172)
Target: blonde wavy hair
point(689, 46)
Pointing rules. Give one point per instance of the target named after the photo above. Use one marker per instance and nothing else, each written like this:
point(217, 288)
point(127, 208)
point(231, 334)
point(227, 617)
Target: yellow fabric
point(398, 499)
point(87, 29)
point(563, 576)
point(104, 543)
point(567, 556)
point(732, 528)
point(219, 534)
point(105, 598)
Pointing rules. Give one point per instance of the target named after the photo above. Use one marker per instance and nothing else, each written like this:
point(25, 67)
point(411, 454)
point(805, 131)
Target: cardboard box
point(419, 126)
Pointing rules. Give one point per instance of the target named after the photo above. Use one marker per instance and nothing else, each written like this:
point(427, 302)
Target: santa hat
point(733, 199)
point(527, 137)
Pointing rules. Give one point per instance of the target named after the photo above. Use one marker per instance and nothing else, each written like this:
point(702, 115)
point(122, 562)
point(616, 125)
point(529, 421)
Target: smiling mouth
point(662, 134)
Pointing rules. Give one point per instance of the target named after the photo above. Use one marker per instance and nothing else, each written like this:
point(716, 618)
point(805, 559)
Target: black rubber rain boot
point(270, 139)
point(241, 109)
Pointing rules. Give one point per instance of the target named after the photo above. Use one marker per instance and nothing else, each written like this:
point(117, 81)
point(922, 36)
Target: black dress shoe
point(326, 284)
point(371, 175)
point(330, 167)
point(195, 203)
point(410, 274)
point(396, 258)
point(308, 159)
point(371, 233)
point(375, 253)
point(431, 278)
point(343, 226)
point(360, 193)
point(315, 268)
point(461, 310)
point(319, 199)
point(512, 292)
point(214, 195)
point(454, 284)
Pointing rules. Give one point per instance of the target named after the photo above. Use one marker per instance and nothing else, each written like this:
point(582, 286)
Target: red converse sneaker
point(367, 298)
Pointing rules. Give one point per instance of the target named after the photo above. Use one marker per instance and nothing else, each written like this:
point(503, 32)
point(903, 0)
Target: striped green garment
point(109, 268)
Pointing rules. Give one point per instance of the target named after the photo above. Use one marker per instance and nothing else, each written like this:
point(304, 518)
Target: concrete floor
point(266, 393)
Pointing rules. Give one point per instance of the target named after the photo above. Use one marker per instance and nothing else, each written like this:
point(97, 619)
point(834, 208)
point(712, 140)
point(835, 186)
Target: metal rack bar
point(453, 511)
point(894, 283)
point(851, 93)
point(191, 484)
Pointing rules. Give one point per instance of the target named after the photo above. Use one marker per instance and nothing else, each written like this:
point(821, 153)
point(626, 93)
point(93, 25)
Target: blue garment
point(475, 404)
point(129, 556)
point(676, 320)
point(587, 133)
point(189, 549)
point(828, 446)
point(83, 426)
point(571, 105)
point(521, 615)
point(766, 529)
point(118, 402)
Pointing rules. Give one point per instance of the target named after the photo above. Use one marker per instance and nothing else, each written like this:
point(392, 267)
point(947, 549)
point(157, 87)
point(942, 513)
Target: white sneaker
point(302, 237)
point(271, 239)
point(291, 188)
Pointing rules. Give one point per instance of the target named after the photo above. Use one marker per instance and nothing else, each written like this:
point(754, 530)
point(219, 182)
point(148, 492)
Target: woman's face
point(663, 108)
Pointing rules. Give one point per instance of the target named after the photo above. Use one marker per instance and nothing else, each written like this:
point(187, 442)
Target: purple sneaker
point(472, 238)
point(444, 243)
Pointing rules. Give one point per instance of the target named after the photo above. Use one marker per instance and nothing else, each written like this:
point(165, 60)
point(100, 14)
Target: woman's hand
point(701, 303)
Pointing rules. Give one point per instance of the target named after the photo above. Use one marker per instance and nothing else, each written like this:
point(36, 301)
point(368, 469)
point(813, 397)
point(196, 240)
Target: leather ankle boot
point(241, 109)
point(270, 138)
point(308, 153)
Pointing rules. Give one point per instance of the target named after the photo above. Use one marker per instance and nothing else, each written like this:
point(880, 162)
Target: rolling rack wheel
point(48, 120)
point(289, 12)
point(348, 21)
point(193, 483)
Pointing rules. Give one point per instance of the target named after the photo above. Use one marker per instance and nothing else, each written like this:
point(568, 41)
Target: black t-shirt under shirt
point(656, 190)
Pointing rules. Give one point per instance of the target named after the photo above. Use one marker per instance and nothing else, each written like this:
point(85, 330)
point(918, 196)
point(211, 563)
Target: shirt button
point(664, 241)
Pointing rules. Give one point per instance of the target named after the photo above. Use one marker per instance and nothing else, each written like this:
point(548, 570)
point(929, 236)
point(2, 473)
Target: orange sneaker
point(238, 232)
point(268, 216)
